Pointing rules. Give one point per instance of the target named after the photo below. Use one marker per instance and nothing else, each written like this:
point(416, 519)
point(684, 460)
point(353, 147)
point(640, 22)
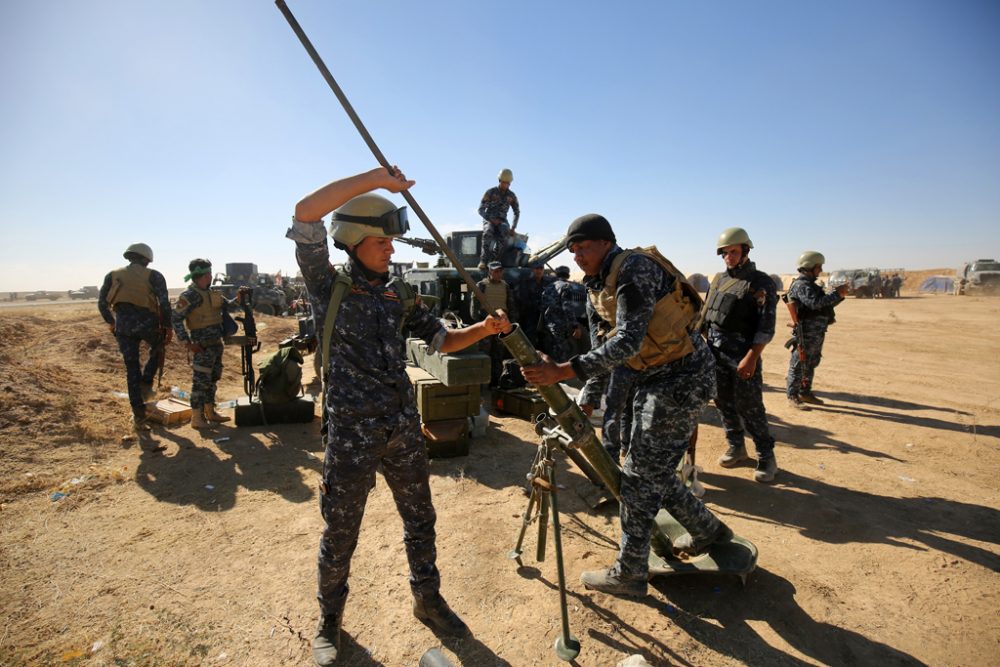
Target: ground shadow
point(833, 514)
point(810, 437)
point(990, 430)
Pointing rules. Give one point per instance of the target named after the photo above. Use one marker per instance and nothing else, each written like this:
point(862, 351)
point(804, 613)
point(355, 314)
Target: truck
point(268, 298)
point(861, 283)
point(41, 294)
point(87, 292)
point(979, 277)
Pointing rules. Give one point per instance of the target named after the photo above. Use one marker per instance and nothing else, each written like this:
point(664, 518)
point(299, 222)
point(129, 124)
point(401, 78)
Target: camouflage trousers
point(352, 455)
point(206, 372)
point(494, 241)
point(800, 373)
point(137, 375)
point(665, 412)
point(616, 427)
point(741, 406)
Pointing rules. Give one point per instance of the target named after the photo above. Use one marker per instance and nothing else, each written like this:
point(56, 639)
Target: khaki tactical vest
point(667, 338)
point(130, 284)
point(496, 295)
point(206, 313)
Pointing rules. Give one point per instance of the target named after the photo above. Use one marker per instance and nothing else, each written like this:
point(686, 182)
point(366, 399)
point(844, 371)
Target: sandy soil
point(879, 544)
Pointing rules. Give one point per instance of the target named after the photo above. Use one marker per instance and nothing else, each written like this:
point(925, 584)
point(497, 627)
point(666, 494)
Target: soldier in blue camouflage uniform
point(814, 309)
point(371, 412)
point(652, 311)
point(564, 308)
point(616, 422)
point(133, 301)
point(200, 308)
point(738, 320)
point(529, 300)
point(493, 210)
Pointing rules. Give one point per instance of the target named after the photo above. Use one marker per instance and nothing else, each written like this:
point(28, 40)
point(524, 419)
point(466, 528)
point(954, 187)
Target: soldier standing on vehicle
point(370, 407)
point(200, 309)
point(493, 210)
point(814, 310)
point(738, 321)
point(500, 297)
point(652, 311)
point(564, 311)
point(133, 301)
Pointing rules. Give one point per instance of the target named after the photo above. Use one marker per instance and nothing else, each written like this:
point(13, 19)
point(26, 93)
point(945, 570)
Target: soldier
point(616, 421)
point(529, 300)
point(500, 297)
point(738, 321)
point(371, 412)
point(564, 311)
point(137, 295)
point(493, 210)
point(897, 283)
point(815, 313)
point(200, 309)
point(651, 310)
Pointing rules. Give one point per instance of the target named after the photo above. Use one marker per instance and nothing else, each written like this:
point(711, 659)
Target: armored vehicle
point(268, 298)
point(979, 277)
point(41, 294)
point(861, 283)
point(89, 292)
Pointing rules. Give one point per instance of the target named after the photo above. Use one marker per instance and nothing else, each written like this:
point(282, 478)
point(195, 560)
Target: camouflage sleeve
point(102, 301)
point(641, 283)
point(422, 324)
point(159, 285)
point(186, 302)
point(515, 206)
point(767, 309)
point(484, 205)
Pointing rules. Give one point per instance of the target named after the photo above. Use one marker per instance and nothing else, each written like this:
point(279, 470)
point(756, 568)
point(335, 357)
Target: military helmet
point(368, 215)
point(733, 236)
point(506, 176)
point(810, 259)
point(140, 249)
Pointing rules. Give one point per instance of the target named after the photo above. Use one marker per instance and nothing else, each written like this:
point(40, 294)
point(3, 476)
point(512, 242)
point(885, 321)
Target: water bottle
point(226, 405)
point(119, 394)
point(177, 392)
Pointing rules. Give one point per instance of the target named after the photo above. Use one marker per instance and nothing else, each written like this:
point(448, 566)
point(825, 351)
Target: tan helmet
point(810, 259)
point(505, 176)
point(140, 249)
point(368, 215)
point(733, 236)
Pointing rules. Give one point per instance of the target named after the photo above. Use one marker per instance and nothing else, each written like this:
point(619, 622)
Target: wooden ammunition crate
point(526, 403)
point(451, 369)
point(446, 438)
point(169, 411)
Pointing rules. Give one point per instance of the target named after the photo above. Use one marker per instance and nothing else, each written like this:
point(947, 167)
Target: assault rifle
point(799, 338)
point(427, 246)
point(248, 341)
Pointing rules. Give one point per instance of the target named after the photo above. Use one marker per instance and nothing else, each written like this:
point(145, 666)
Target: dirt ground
point(879, 543)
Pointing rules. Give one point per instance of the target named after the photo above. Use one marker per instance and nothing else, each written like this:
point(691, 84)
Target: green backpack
point(280, 378)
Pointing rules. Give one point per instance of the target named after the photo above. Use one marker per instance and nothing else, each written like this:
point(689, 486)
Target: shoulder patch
point(181, 303)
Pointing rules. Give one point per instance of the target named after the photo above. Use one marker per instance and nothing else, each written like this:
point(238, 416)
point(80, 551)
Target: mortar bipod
point(543, 489)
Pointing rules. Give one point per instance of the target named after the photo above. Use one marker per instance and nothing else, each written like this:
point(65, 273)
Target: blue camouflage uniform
point(372, 419)
point(133, 325)
point(667, 402)
point(564, 307)
point(529, 302)
point(815, 312)
point(206, 366)
point(494, 206)
point(751, 307)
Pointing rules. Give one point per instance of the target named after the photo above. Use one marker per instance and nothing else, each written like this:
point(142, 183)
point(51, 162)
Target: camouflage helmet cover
point(140, 249)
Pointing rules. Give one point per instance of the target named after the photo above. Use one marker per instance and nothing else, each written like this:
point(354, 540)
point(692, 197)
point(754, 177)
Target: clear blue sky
point(868, 130)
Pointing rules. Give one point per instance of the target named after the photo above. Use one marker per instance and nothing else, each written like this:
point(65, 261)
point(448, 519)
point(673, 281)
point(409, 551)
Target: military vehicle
point(41, 294)
point(268, 298)
point(441, 286)
point(979, 277)
point(88, 292)
point(861, 283)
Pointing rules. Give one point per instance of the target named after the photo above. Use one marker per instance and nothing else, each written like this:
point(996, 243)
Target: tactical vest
point(728, 307)
point(208, 312)
point(667, 337)
point(130, 284)
point(496, 295)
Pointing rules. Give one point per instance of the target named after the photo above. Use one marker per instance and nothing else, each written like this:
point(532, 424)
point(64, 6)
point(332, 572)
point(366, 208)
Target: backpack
point(280, 379)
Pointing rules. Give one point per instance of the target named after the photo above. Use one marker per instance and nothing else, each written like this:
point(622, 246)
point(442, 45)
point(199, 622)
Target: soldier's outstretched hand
point(498, 323)
point(547, 372)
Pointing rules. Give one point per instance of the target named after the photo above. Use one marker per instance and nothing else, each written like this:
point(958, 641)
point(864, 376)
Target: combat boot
point(687, 545)
point(326, 645)
point(611, 582)
point(198, 420)
point(140, 425)
point(147, 392)
point(735, 455)
point(766, 469)
point(213, 416)
point(434, 612)
point(797, 403)
point(810, 398)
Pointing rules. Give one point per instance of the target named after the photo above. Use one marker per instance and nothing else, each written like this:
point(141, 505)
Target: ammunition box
point(435, 401)
point(446, 438)
point(451, 369)
point(298, 411)
point(526, 403)
point(169, 411)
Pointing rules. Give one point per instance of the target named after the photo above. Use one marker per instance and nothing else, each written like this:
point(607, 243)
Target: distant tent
point(699, 282)
point(779, 285)
point(937, 285)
